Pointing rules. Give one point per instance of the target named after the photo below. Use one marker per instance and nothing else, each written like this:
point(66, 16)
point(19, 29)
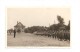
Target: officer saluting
point(14, 33)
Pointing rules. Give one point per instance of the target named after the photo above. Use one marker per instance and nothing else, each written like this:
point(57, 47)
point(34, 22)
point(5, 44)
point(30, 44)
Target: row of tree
point(35, 28)
point(52, 27)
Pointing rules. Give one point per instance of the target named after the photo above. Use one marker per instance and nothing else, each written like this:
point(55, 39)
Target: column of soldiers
point(61, 35)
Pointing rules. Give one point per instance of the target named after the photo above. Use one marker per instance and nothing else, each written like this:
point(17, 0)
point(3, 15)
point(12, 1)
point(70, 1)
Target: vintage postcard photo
point(38, 27)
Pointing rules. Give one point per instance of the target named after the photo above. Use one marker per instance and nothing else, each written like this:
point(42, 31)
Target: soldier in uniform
point(68, 34)
point(56, 34)
point(61, 35)
point(64, 33)
point(14, 33)
point(53, 34)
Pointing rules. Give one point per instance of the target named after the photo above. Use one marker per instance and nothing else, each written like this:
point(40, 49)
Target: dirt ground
point(28, 39)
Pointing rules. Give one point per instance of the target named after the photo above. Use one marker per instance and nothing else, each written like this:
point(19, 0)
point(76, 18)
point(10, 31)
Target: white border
point(75, 14)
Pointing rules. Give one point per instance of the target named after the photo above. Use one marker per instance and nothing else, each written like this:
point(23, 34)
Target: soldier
point(68, 34)
point(64, 33)
point(58, 34)
point(14, 33)
point(50, 32)
point(61, 35)
point(53, 34)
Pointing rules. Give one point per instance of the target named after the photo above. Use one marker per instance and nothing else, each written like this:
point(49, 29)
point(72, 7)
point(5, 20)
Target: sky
point(36, 16)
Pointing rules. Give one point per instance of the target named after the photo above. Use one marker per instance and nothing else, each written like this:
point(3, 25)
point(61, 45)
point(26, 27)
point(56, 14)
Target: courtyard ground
point(32, 40)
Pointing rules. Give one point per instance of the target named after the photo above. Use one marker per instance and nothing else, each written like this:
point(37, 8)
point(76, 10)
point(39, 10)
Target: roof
point(19, 24)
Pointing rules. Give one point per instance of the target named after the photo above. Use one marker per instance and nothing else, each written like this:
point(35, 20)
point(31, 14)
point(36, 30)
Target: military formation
point(60, 34)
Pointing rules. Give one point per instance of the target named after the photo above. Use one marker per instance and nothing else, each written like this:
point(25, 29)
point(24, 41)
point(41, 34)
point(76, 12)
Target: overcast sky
point(36, 16)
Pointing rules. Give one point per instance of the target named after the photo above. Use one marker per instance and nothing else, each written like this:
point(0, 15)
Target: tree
point(10, 30)
point(54, 27)
point(68, 27)
point(69, 24)
point(61, 22)
point(58, 26)
point(35, 28)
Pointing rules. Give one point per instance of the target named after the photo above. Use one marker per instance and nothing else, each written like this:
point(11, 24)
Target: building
point(19, 27)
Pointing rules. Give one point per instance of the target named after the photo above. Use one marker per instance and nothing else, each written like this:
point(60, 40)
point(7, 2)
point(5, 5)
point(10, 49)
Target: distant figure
point(14, 33)
point(9, 32)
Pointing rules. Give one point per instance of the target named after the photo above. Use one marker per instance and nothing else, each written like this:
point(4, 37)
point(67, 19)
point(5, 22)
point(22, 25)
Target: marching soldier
point(65, 35)
point(53, 34)
point(58, 35)
point(68, 35)
point(61, 35)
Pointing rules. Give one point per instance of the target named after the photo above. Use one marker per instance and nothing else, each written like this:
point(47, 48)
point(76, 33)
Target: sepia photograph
point(38, 27)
